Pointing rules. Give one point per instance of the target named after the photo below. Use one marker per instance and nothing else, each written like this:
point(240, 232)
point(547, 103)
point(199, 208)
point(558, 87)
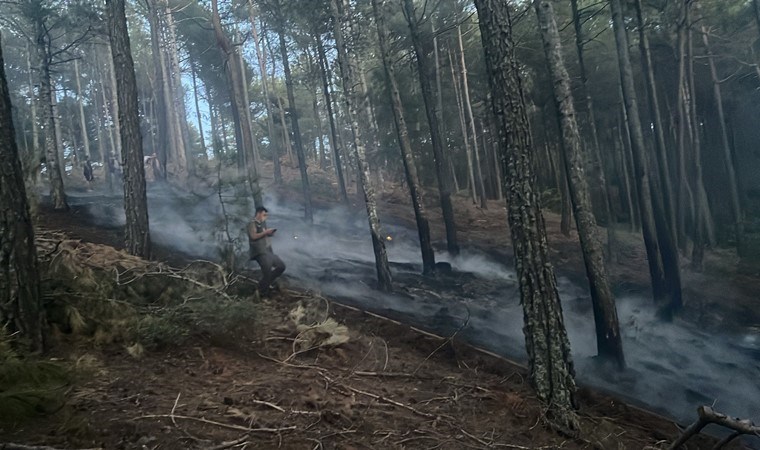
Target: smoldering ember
point(336, 224)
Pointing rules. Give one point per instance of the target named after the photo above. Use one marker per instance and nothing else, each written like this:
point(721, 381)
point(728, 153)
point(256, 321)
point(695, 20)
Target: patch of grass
point(28, 387)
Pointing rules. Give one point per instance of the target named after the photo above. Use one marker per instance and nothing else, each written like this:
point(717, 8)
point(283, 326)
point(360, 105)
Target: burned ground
point(268, 386)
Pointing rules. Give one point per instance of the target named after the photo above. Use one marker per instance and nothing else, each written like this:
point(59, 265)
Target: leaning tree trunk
point(471, 117)
point(334, 136)
point(308, 209)
point(733, 185)
point(410, 168)
point(550, 364)
point(602, 178)
point(666, 285)
point(465, 135)
point(435, 132)
point(608, 340)
point(20, 301)
point(243, 127)
point(135, 198)
point(52, 155)
point(348, 70)
point(183, 154)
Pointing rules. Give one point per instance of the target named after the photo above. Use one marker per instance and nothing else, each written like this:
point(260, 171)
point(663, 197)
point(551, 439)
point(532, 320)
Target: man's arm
point(256, 236)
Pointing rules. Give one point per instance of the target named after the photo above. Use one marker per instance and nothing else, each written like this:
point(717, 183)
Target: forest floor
point(265, 377)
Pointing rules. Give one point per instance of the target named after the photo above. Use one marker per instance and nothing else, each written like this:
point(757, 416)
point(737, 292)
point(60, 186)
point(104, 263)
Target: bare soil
point(389, 386)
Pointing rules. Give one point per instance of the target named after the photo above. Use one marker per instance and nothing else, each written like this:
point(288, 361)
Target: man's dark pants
point(271, 268)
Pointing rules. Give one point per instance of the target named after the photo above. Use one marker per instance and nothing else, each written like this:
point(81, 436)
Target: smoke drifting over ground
point(673, 367)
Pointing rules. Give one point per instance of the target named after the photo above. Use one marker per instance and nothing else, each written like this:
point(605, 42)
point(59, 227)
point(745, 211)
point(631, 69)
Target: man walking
point(260, 249)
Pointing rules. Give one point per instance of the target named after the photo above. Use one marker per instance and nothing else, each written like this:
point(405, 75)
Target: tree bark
point(667, 291)
point(550, 365)
point(20, 300)
point(410, 168)
point(608, 340)
point(308, 209)
point(348, 70)
point(335, 137)
point(435, 133)
point(52, 153)
point(135, 198)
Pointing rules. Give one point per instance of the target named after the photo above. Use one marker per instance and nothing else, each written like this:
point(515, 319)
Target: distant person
point(260, 249)
point(152, 168)
point(87, 169)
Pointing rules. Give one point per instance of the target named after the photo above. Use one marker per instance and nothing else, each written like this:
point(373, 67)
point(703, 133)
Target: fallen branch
point(211, 422)
point(706, 416)
point(450, 339)
point(384, 399)
point(11, 446)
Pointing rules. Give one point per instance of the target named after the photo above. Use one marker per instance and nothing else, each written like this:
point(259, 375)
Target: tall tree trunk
point(473, 130)
point(435, 132)
point(114, 104)
point(465, 134)
point(20, 300)
point(348, 70)
point(550, 365)
point(82, 121)
point(308, 209)
point(602, 178)
point(608, 340)
point(274, 144)
point(703, 231)
point(321, 157)
point(666, 289)
point(52, 153)
point(183, 152)
point(410, 168)
point(285, 130)
point(335, 136)
point(663, 168)
point(733, 185)
point(198, 109)
point(242, 126)
point(164, 136)
point(254, 158)
point(37, 153)
point(135, 198)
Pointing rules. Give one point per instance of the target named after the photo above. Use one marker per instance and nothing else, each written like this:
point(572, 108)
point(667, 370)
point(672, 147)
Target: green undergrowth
point(29, 386)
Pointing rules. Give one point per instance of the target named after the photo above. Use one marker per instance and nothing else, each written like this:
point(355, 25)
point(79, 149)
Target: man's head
point(261, 213)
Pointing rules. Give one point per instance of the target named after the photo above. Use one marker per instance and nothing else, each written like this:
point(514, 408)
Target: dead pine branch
point(707, 415)
point(218, 424)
